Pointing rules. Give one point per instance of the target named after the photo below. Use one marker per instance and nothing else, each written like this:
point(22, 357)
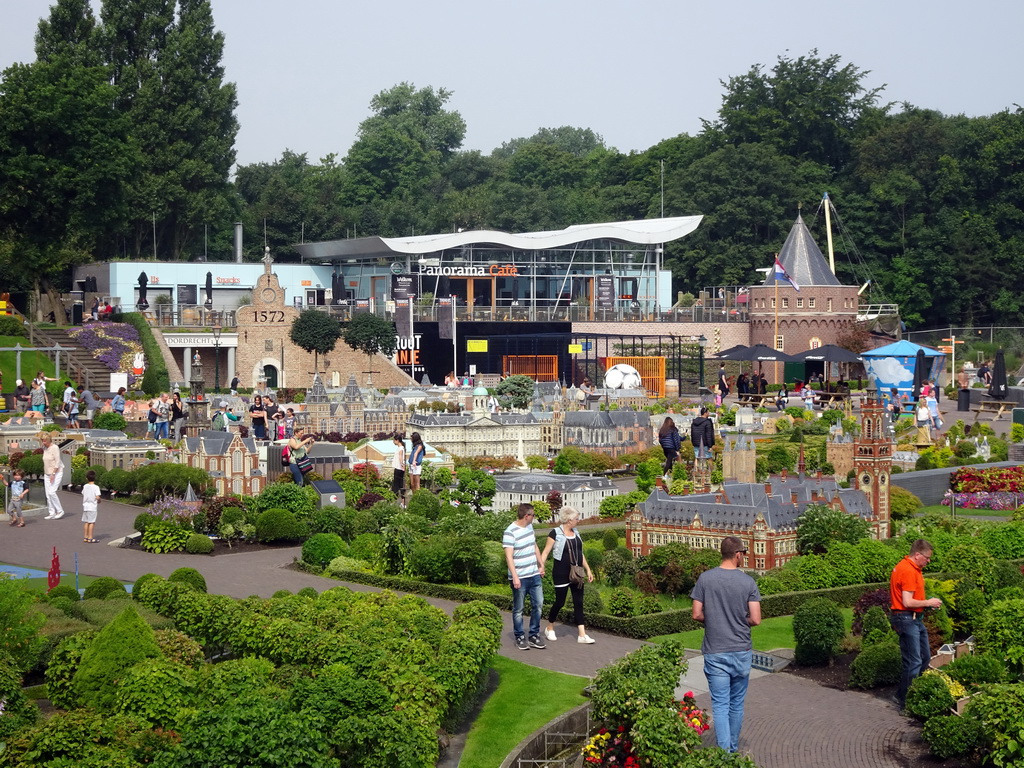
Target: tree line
point(117, 142)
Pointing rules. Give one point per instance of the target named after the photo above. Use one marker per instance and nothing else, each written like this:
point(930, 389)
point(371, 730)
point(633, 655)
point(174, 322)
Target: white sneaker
point(58, 517)
point(549, 634)
point(49, 516)
point(585, 639)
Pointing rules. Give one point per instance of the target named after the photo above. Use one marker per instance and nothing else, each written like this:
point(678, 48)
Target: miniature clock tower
point(872, 462)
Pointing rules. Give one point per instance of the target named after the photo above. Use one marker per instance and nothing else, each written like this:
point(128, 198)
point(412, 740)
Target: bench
point(996, 407)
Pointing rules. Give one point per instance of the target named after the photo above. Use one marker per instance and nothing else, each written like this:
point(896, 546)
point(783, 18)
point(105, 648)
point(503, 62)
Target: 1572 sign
point(269, 316)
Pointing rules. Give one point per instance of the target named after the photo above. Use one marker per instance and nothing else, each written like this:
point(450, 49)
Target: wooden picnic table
point(996, 407)
point(756, 401)
point(833, 399)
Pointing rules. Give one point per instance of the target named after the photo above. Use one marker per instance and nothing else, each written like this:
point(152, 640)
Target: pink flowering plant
point(113, 344)
point(999, 500)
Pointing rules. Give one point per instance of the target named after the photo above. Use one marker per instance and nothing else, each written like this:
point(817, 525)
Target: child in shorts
point(90, 504)
point(19, 490)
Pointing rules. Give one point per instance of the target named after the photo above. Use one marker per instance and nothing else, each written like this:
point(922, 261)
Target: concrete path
point(790, 722)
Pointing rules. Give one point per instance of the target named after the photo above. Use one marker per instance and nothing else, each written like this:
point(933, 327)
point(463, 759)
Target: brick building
point(232, 462)
point(764, 516)
point(817, 314)
point(613, 433)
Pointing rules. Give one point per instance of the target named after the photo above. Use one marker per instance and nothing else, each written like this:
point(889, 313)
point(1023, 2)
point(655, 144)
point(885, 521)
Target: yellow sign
point(575, 349)
point(476, 345)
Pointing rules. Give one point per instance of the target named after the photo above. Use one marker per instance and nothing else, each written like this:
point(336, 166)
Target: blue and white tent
point(892, 366)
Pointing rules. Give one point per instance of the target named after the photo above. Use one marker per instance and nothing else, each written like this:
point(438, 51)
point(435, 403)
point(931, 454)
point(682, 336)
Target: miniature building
point(583, 492)
point(839, 451)
point(739, 458)
point(19, 434)
point(613, 433)
point(125, 453)
point(232, 461)
point(198, 418)
point(765, 516)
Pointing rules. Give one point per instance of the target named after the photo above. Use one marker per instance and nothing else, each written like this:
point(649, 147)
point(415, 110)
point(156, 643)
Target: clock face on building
point(268, 294)
point(866, 479)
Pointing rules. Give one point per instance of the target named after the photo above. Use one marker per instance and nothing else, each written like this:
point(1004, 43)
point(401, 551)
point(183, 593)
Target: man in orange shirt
point(908, 601)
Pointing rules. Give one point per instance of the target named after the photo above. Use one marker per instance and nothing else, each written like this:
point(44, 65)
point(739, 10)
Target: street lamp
point(216, 357)
point(702, 343)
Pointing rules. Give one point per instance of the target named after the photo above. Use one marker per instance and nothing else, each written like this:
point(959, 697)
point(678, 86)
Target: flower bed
point(997, 479)
point(113, 344)
point(997, 500)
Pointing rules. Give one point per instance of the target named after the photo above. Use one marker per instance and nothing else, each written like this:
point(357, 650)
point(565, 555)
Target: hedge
point(156, 378)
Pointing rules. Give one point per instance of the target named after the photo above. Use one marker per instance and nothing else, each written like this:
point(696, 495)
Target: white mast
point(828, 234)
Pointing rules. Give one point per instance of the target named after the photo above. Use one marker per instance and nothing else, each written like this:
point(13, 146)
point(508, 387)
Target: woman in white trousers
point(52, 471)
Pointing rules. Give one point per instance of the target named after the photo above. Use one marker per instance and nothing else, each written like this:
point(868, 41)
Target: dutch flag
point(781, 274)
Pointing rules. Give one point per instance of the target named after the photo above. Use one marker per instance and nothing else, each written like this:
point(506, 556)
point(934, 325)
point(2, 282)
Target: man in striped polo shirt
point(525, 569)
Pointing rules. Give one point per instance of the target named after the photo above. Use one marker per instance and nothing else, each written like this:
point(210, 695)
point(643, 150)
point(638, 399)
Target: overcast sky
point(636, 73)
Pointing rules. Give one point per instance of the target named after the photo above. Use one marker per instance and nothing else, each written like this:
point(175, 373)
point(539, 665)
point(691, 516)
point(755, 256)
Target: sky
point(636, 73)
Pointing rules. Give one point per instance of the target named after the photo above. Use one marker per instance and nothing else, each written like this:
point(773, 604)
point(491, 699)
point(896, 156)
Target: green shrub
point(63, 590)
point(299, 500)
point(1001, 630)
point(277, 525)
point(970, 607)
point(366, 547)
point(154, 691)
point(112, 421)
point(61, 669)
point(878, 664)
point(142, 521)
point(179, 647)
point(977, 669)
point(198, 544)
point(327, 519)
point(342, 564)
point(189, 576)
point(660, 734)
point(18, 712)
point(320, 548)
point(281, 593)
point(716, 757)
point(102, 587)
point(1000, 710)
point(308, 592)
point(952, 736)
point(610, 540)
point(425, 504)
point(232, 516)
point(622, 602)
point(120, 645)
point(139, 582)
point(162, 536)
point(818, 628)
point(928, 696)
point(875, 618)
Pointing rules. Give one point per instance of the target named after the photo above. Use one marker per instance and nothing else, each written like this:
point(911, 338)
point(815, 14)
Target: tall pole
point(455, 335)
point(775, 336)
point(828, 234)
point(412, 342)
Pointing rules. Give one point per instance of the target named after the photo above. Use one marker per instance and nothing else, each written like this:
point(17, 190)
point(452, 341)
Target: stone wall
point(554, 742)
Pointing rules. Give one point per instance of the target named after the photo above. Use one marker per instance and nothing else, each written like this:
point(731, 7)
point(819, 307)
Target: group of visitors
point(702, 436)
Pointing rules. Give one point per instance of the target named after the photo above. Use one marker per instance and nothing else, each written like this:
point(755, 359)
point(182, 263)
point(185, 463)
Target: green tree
point(820, 525)
point(515, 391)
point(370, 334)
point(475, 489)
point(316, 332)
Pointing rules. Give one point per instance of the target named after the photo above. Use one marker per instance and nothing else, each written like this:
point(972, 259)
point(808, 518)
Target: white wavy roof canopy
point(640, 232)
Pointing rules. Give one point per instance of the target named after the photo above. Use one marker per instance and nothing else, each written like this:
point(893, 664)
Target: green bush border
point(156, 379)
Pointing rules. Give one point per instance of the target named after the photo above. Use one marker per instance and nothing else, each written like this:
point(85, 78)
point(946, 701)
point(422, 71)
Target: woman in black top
point(259, 418)
point(670, 441)
point(177, 415)
point(568, 550)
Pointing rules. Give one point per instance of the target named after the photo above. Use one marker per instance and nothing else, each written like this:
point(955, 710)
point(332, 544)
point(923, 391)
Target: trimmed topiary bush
point(622, 602)
point(281, 593)
point(953, 736)
point(61, 669)
point(929, 696)
point(309, 592)
point(63, 590)
point(139, 582)
point(142, 520)
point(198, 544)
point(342, 563)
point(120, 645)
point(189, 576)
point(818, 627)
point(875, 619)
point(277, 525)
point(978, 669)
point(319, 549)
point(179, 647)
point(102, 587)
point(877, 665)
point(327, 520)
point(366, 547)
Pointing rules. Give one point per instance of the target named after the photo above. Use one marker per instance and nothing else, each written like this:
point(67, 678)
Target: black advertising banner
point(445, 319)
point(402, 287)
point(605, 291)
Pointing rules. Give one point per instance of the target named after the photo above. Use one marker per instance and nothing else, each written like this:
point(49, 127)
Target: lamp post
point(702, 343)
point(216, 357)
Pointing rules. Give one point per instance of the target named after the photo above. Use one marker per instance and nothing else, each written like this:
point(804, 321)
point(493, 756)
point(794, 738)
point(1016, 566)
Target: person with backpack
point(416, 461)
point(294, 452)
point(702, 435)
point(223, 418)
point(671, 442)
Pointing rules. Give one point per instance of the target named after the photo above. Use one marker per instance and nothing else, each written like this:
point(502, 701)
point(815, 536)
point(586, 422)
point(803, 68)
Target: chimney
point(238, 242)
point(718, 498)
point(793, 496)
point(818, 474)
point(785, 474)
point(814, 495)
point(767, 489)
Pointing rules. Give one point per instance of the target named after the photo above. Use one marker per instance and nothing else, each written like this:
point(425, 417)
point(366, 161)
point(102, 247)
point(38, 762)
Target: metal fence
point(557, 745)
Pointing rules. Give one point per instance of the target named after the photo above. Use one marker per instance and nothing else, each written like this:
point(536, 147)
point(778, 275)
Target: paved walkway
point(790, 722)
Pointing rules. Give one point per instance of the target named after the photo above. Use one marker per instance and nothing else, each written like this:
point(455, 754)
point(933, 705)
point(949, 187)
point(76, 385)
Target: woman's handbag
point(577, 573)
point(305, 464)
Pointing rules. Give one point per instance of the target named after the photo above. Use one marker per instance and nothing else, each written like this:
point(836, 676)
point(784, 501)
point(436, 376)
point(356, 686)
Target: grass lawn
point(30, 362)
point(66, 579)
point(939, 509)
point(770, 634)
point(526, 699)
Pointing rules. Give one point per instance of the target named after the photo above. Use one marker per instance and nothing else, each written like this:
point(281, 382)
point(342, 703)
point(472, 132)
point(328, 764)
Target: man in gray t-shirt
point(726, 601)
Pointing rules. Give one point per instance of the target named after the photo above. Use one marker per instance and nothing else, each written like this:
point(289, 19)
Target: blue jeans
point(728, 675)
point(914, 649)
point(531, 584)
point(161, 429)
point(296, 473)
